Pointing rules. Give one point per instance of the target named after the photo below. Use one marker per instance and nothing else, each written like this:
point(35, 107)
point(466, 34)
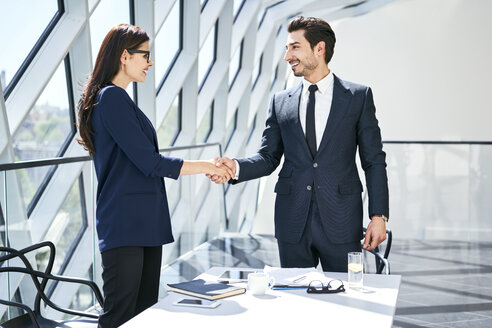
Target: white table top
point(373, 307)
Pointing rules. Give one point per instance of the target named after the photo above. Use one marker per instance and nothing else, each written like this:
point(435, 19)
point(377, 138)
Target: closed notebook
point(206, 289)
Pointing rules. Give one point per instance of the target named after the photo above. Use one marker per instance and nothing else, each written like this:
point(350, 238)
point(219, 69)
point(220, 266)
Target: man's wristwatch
point(384, 217)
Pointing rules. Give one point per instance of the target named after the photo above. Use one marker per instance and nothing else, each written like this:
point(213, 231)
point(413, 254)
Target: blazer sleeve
point(372, 157)
point(120, 120)
point(266, 160)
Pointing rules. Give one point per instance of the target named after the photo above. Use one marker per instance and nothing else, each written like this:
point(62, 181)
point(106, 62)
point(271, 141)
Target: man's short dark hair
point(315, 30)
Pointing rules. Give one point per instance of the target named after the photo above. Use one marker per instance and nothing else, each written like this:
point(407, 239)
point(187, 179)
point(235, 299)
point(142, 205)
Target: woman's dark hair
point(119, 38)
point(315, 30)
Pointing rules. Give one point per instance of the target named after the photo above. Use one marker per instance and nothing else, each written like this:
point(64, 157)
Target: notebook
point(206, 289)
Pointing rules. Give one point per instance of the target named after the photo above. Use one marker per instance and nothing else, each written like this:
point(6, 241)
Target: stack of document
point(205, 289)
point(295, 277)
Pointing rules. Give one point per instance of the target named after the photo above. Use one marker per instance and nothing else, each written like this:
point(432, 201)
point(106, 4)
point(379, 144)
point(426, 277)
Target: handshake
point(222, 170)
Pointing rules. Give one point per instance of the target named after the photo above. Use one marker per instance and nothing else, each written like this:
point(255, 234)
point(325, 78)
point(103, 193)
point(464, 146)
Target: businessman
point(318, 125)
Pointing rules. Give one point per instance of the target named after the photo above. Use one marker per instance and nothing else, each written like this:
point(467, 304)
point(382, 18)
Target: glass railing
point(65, 215)
point(440, 190)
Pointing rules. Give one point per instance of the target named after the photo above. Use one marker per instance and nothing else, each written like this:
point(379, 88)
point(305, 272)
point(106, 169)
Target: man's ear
point(320, 48)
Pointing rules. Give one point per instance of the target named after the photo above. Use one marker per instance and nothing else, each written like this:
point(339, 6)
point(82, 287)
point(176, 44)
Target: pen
point(299, 279)
point(288, 287)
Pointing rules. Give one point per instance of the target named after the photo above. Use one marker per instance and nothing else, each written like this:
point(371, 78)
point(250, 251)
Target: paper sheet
point(295, 276)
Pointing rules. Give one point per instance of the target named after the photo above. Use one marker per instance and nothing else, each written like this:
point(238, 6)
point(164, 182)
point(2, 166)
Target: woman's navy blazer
point(132, 208)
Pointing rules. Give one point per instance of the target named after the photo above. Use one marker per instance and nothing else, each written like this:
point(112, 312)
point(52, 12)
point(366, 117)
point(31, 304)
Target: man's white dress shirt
point(322, 107)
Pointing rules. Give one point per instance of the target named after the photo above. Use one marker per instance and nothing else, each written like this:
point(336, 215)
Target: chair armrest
point(384, 261)
point(34, 274)
point(25, 308)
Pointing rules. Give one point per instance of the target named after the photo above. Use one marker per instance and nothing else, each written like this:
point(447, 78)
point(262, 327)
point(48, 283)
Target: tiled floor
point(444, 283)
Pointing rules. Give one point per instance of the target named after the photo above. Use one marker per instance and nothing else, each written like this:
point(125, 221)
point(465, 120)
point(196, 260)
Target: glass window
point(45, 132)
point(23, 23)
point(203, 3)
point(66, 229)
point(235, 64)
point(84, 297)
point(107, 14)
point(252, 129)
point(2, 229)
point(236, 7)
point(261, 17)
point(274, 77)
point(65, 232)
point(169, 130)
point(205, 126)
point(231, 127)
point(14, 311)
point(167, 45)
point(256, 71)
point(206, 56)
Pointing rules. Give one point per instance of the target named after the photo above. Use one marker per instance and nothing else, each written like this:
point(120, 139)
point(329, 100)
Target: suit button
point(162, 190)
point(315, 165)
point(308, 187)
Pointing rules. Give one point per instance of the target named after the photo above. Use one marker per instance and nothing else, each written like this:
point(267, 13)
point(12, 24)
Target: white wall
point(428, 62)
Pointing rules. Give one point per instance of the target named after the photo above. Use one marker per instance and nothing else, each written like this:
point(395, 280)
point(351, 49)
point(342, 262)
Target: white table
point(373, 307)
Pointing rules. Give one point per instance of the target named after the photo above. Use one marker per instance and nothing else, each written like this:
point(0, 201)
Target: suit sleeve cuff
point(175, 170)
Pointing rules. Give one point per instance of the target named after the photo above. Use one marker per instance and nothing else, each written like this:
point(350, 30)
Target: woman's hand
point(223, 172)
point(210, 168)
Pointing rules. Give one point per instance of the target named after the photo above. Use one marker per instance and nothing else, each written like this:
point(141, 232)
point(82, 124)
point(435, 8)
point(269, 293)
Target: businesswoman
point(132, 216)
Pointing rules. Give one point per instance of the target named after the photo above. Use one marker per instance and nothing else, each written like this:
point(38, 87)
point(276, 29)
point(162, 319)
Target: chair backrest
point(35, 315)
point(381, 254)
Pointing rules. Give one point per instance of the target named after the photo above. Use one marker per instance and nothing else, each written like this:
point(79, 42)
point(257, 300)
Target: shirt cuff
point(236, 177)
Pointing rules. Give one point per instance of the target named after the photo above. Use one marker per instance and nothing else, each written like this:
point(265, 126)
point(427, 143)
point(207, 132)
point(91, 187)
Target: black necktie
point(310, 126)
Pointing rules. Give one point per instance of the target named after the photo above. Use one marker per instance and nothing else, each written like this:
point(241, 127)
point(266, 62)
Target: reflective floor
point(444, 283)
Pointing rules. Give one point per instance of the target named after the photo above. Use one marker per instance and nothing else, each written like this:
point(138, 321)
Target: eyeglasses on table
point(333, 286)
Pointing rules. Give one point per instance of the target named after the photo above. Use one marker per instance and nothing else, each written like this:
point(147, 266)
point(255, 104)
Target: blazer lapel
point(341, 99)
point(147, 126)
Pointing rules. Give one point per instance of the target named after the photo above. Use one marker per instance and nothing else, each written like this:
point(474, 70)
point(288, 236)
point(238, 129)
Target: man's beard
point(309, 67)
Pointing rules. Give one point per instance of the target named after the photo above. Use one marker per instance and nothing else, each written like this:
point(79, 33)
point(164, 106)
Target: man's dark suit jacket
point(332, 173)
point(132, 208)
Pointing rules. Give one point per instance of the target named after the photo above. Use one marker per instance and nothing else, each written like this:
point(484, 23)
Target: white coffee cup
point(259, 283)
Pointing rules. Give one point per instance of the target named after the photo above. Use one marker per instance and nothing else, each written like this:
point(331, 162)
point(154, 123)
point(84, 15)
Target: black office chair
point(381, 258)
point(33, 318)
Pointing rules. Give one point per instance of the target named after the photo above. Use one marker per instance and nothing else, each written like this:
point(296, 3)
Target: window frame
point(180, 117)
point(68, 140)
point(239, 66)
point(257, 77)
point(214, 59)
point(78, 237)
point(265, 12)
point(234, 128)
point(252, 129)
point(236, 14)
point(178, 52)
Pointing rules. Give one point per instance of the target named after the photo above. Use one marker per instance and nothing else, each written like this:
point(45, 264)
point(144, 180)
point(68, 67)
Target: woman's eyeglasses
point(136, 51)
point(317, 287)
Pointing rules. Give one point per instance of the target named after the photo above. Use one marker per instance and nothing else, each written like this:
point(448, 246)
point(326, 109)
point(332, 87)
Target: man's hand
point(223, 161)
point(375, 233)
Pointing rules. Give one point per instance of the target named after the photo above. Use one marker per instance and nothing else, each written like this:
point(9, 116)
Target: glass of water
point(355, 269)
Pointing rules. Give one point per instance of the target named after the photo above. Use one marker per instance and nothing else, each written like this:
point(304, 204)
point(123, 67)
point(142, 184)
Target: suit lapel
point(293, 115)
point(341, 99)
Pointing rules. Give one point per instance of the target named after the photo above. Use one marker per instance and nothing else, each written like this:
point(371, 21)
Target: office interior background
point(216, 65)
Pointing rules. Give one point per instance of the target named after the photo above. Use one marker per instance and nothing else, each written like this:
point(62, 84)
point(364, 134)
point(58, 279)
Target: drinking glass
point(355, 269)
